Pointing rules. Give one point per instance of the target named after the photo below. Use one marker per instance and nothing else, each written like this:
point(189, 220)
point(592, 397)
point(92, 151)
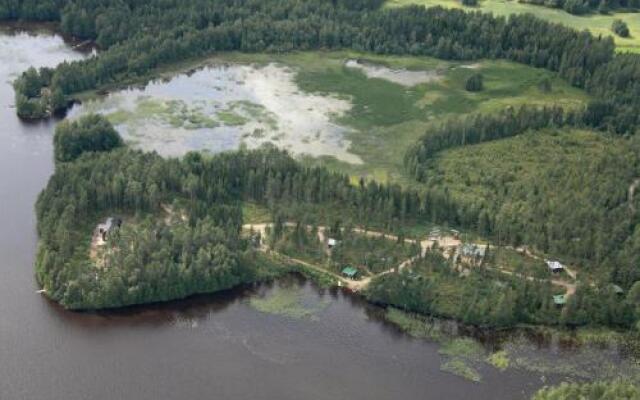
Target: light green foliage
point(462, 369)
point(466, 348)
point(616, 390)
point(499, 359)
point(287, 302)
point(415, 325)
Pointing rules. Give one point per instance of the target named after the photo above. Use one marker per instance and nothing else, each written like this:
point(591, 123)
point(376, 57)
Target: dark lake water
point(214, 347)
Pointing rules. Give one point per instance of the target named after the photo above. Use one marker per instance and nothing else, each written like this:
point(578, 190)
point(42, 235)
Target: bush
point(620, 28)
point(469, 3)
point(576, 7)
point(474, 83)
point(92, 133)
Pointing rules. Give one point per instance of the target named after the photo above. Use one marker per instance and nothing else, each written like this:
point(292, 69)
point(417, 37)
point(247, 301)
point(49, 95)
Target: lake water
point(233, 345)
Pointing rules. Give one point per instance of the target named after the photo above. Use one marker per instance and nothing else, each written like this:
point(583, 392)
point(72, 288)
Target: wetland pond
point(284, 340)
point(223, 106)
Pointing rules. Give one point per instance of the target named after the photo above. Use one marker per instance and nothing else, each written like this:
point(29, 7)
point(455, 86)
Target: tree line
point(137, 37)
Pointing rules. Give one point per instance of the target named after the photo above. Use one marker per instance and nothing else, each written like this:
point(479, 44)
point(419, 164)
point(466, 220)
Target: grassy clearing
point(253, 213)
point(371, 254)
point(509, 259)
point(387, 117)
point(598, 24)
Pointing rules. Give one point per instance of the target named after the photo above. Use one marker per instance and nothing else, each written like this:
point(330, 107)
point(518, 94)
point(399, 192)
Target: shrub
point(620, 28)
point(474, 83)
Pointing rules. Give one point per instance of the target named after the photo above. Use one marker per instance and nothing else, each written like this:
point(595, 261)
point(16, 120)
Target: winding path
point(445, 242)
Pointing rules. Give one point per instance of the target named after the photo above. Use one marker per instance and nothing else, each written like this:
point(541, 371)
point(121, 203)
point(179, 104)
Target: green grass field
point(596, 23)
point(387, 117)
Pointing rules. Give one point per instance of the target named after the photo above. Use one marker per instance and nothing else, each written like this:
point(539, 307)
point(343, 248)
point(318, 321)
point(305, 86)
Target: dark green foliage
point(432, 286)
point(577, 7)
point(620, 28)
point(469, 3)
point(619, 390)
point(488, 298)
point(474, 83)
point(91, 133)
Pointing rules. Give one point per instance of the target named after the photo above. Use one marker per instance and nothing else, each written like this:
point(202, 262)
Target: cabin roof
point(349, 271)
point(617, 289)
point(560, 299)
point(472, 250)
point(555, 265)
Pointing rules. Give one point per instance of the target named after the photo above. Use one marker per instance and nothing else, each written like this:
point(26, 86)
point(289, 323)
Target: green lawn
point(598, 24)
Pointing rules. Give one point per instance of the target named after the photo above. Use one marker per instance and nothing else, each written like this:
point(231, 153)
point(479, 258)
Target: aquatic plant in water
point(288, 302)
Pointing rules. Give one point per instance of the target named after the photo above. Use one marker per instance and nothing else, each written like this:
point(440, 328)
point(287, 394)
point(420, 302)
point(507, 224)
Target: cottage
point(559, 300)
point(435, 234)
point(555, 266)
point(350, 272)
point(470, 253)
point(331, 243)
point(107, 226)
point(472, 250)
point(618, 290)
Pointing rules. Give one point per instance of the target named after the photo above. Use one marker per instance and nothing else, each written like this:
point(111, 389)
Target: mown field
point(387, 117)
point(598, 24)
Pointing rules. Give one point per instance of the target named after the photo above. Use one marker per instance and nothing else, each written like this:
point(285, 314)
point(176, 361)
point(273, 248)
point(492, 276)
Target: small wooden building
point(560, 300)
point(350, 272)
point(107, 226)
point(555, 266)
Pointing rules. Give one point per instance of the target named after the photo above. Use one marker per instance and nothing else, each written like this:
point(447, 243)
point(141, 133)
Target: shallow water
point(400, 76)
point(225, 106)
point(287, 340)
